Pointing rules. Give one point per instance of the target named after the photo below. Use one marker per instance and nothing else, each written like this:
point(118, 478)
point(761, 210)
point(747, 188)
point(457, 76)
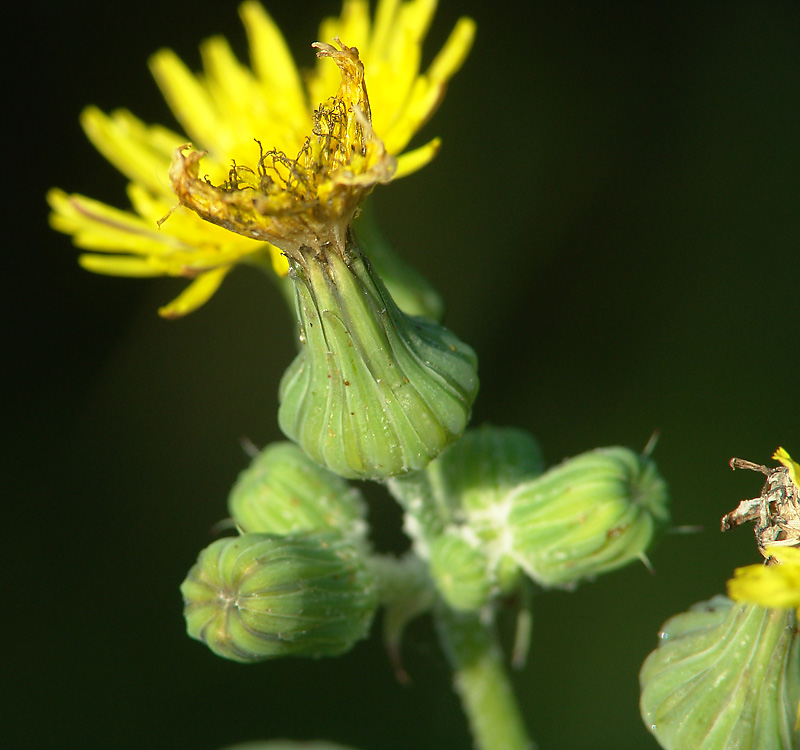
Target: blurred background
point(613, 223)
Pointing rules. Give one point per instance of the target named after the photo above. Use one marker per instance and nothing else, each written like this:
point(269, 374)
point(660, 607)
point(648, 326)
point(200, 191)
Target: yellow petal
point(352, 26)
point(273, 63)
point(385, 15)
point(410, 161)
point(794, 468)
point(429, 89)
point(452, 56)
point(186, 231)
point(188, 245)
point(775, 586)
point(140, 152)
point(96, 226)
point(119, 265)
point(196, 294)
point(416, 17)
point(392, 67)
point(188, 99)
point(789, 555)
point(234, 91)
point(280, 263)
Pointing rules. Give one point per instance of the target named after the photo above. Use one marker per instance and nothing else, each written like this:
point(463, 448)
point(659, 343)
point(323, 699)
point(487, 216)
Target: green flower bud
point(591, 514)
point(284, 492)
point(724, 676)
point(460, 570)
point(373, 393)
point(258, 596)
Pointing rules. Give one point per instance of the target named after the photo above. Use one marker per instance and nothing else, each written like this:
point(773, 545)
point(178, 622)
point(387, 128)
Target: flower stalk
point(481, 680)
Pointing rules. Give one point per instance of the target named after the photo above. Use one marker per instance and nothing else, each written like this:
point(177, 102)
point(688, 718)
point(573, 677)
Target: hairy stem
point(482, 682)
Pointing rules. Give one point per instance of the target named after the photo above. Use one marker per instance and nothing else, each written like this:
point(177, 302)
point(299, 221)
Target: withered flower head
point(308, 201)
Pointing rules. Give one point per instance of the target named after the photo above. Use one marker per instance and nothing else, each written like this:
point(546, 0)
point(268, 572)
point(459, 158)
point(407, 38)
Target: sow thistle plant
point(273, 171)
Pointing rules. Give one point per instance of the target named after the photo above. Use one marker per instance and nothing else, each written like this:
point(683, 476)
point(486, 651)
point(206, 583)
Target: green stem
point(482, 683)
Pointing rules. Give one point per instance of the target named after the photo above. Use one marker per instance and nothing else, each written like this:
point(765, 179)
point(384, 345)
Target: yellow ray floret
point(775, 585)
point(793, 467)
point(236, 114)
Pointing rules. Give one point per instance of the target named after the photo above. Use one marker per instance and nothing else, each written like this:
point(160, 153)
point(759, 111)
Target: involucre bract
point(374, 393)
point(725, 676)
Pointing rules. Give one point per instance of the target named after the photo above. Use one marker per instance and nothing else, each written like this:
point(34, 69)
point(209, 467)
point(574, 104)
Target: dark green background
point(613, 221)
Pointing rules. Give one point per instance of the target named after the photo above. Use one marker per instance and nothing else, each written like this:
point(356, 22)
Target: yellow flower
point(793, 467)
point(256, 116)
point(775, 585)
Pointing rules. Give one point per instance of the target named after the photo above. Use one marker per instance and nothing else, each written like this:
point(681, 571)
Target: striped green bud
point(460, 570)
point(258, 596)
point(284, 492)
point(591, 514)
point(374, 392)
point(724, 676)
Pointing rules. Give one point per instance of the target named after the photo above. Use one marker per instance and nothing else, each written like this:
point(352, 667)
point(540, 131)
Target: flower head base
point(309, 201)
point(374, 392)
